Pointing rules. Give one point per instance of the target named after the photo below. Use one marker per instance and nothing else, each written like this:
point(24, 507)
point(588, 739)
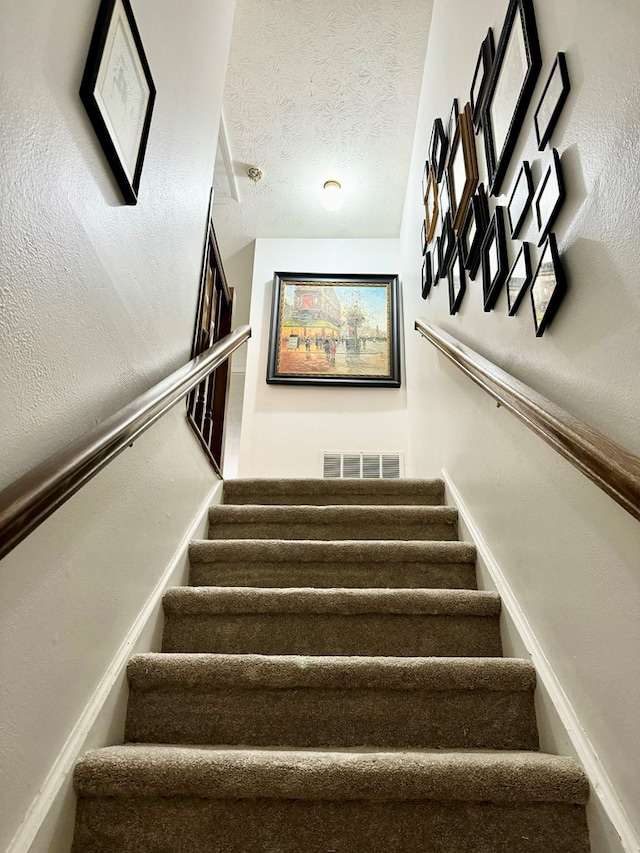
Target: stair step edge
point(419, 602)
point(318, 550)
point(154, 671)
point(222, 772)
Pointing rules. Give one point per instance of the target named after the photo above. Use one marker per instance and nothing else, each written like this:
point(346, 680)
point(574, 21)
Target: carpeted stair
point(330, 682)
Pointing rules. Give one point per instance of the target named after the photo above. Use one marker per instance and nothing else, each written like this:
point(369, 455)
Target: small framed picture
point(427, 275)
point(444, 198)
point(552, 101)
point(435, 262)
point(549, 286)
point(118, 93)
point(457, 285)
point(519, 279)
point(520, 198)
point(494, 258)
point(425, 178)
point(462, 172)
point(447, 246)
point(438, 148)
point(431, 206)
point(473, 230)
point(423, 237)
point(453, 122)
point(481, 77)
point(549, 197)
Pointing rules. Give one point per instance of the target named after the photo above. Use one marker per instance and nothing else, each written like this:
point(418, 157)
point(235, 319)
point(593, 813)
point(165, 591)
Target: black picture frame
point(473, 230)
point(423, 237)
point(447, 246)
point(435, 260)
point(427, 275)
point(481, 77)
point(123, 136)
point(519, 279)
point(548, 288)
point(349, 326)
point(552, 101)
point(452, 124)
point(457, 284)
point(520, 198)
point(495, 266)
point(438, 147)
point(513, 78)
point(549, 197)
point(425, 178)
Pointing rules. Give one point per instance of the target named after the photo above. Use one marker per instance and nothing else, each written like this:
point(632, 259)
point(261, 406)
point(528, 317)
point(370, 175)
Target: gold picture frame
point(431, 205)
point(462, 170)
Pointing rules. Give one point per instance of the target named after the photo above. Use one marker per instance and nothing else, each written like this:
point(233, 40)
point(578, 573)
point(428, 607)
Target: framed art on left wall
point(118, 93)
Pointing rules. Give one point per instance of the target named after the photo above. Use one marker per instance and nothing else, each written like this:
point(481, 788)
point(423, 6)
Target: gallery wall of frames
point(467, 231)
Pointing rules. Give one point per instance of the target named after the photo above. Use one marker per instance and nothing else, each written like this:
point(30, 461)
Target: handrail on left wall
point(32, 498)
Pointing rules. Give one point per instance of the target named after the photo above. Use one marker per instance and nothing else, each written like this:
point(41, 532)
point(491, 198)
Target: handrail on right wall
point(611, 467)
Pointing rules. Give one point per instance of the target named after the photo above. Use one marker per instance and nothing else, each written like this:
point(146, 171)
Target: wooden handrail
point(611, 467)
point(32, 498)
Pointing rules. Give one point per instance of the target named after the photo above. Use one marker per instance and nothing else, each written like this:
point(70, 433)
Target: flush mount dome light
point(332, 195)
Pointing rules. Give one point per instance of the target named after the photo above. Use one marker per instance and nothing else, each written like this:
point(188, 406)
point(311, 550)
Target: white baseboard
point(74, 745)
point(601, 786)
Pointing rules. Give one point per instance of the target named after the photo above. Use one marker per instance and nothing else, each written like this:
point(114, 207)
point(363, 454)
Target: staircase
point(330, 682)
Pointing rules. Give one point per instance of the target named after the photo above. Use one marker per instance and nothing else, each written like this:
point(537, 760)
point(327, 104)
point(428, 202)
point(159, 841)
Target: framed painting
point(473, 230)
point(513, 79)
point(447, 246)
point(549, 286)
point(481, 77)
point(462, 171)
point(520, 198)
point(427, 275)
point(334, 330)
point(549, 197)
point(431, 205)
point(519, 279)
point(118, 93)
point(453, 122)
point(494, 259)
point(552, 101)
point(438, 148)
point(457, 283)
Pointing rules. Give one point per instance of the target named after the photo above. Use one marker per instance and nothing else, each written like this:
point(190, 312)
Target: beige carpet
point(331, 681)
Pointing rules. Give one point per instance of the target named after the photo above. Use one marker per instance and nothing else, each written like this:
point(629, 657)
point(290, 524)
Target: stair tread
point(329, 514)
point(251, 671)
point(211, 599)
point(312, 550)
point(334, 490)
point(215, 772)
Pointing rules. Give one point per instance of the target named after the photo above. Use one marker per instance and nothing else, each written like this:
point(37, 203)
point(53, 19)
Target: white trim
point(587, 754)
point(70, 752)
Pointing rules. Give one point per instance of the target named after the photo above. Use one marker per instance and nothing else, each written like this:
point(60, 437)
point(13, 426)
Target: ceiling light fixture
point(332, 195)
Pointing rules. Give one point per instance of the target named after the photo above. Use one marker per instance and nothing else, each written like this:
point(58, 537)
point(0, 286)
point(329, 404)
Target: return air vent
point(362, 466)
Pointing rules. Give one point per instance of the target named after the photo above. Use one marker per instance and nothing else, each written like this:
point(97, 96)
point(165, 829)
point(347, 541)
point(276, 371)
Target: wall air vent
point(362, 466)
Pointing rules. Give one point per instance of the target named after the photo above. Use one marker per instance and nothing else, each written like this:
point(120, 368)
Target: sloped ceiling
point(321, 89)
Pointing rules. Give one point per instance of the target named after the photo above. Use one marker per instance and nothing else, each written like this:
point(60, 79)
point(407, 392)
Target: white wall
point(570, 554)
point(97, 302)
point(285, 428)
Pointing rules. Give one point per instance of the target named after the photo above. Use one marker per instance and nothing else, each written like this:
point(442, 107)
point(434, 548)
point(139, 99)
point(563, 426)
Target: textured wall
point(97, 302)
point(285, 428)
point(571, 555)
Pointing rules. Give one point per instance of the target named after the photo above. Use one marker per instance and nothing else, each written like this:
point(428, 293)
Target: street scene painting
point(334, 330)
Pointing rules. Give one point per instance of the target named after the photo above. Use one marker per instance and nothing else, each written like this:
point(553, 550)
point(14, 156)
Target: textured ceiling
point(320, 89)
